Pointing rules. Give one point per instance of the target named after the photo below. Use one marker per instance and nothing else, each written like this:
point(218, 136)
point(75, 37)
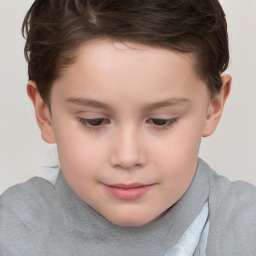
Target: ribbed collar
point(84, 222)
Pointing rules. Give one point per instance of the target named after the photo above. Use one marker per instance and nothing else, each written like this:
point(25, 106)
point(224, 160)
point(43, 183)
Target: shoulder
point(232, 216)
point(240, 200)
point(30, 201)
point(26, 188)
point(28, 195)
point(24, 215)
point(240, 203)
point(234, 195)
point(243, 192)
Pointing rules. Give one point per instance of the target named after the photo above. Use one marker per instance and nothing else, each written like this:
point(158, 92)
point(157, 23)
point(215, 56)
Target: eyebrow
point(88, 103)
point(166, 103)
point(100, 105)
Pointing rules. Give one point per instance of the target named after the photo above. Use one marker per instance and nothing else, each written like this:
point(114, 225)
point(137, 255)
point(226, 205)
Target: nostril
point(127, 152)
point(128, 162)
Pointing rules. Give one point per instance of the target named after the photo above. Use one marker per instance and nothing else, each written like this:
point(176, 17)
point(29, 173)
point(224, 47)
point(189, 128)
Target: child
point(126, 90)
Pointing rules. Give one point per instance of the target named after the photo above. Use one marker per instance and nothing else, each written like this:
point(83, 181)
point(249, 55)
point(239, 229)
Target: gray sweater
point(38, 218)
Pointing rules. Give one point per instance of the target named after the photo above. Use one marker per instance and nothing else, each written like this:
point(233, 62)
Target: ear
point(216, 106)
point(42, 112)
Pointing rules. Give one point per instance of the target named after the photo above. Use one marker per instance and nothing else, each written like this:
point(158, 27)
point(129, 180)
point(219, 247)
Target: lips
point(128, 191)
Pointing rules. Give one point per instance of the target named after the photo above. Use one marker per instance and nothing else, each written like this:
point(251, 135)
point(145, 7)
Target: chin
point(129, 223)
point(130, 220)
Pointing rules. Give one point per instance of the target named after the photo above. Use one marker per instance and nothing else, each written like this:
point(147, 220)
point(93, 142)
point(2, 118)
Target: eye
point(95, 122)
point(162, 123)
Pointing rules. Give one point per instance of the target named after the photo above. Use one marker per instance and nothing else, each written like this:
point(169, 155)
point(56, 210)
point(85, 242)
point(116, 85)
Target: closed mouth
point(128, 191)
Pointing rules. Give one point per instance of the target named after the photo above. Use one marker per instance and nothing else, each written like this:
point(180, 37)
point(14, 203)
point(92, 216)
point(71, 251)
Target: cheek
point(77, 151)
point(79, 154)
point(179, 147)
point(177, 155)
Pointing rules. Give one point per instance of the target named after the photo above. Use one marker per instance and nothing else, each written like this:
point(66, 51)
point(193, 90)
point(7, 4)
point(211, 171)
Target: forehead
point(109, 48)
point(107, 56)
point(107, 68)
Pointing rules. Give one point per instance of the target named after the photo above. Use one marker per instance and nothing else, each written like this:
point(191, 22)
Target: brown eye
point(93, 122)
point(162, 123)
point(159, 122)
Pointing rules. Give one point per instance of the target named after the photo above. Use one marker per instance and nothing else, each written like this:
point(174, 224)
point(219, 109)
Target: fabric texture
point(192, 237)
point(39, 218)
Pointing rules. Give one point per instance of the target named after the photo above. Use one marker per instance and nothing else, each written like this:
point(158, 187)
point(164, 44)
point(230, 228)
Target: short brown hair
point(55, 28)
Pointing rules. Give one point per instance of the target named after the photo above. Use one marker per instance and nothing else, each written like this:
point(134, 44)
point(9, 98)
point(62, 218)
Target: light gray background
point(231, 150)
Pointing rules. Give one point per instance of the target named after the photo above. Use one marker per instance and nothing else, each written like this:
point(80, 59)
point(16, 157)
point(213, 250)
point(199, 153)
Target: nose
point(128, 150)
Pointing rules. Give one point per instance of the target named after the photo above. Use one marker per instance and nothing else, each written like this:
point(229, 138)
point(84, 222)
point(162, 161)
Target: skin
point(131, 90)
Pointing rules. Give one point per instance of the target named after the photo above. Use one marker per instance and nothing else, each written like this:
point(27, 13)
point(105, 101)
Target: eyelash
point(86, 122)
point(168, 123)
point(100, 122)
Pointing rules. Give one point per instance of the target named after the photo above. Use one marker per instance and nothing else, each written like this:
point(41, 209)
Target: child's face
point(128, 124)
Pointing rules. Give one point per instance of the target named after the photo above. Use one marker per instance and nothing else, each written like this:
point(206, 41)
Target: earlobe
point(42, 112)
point(216, 107)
